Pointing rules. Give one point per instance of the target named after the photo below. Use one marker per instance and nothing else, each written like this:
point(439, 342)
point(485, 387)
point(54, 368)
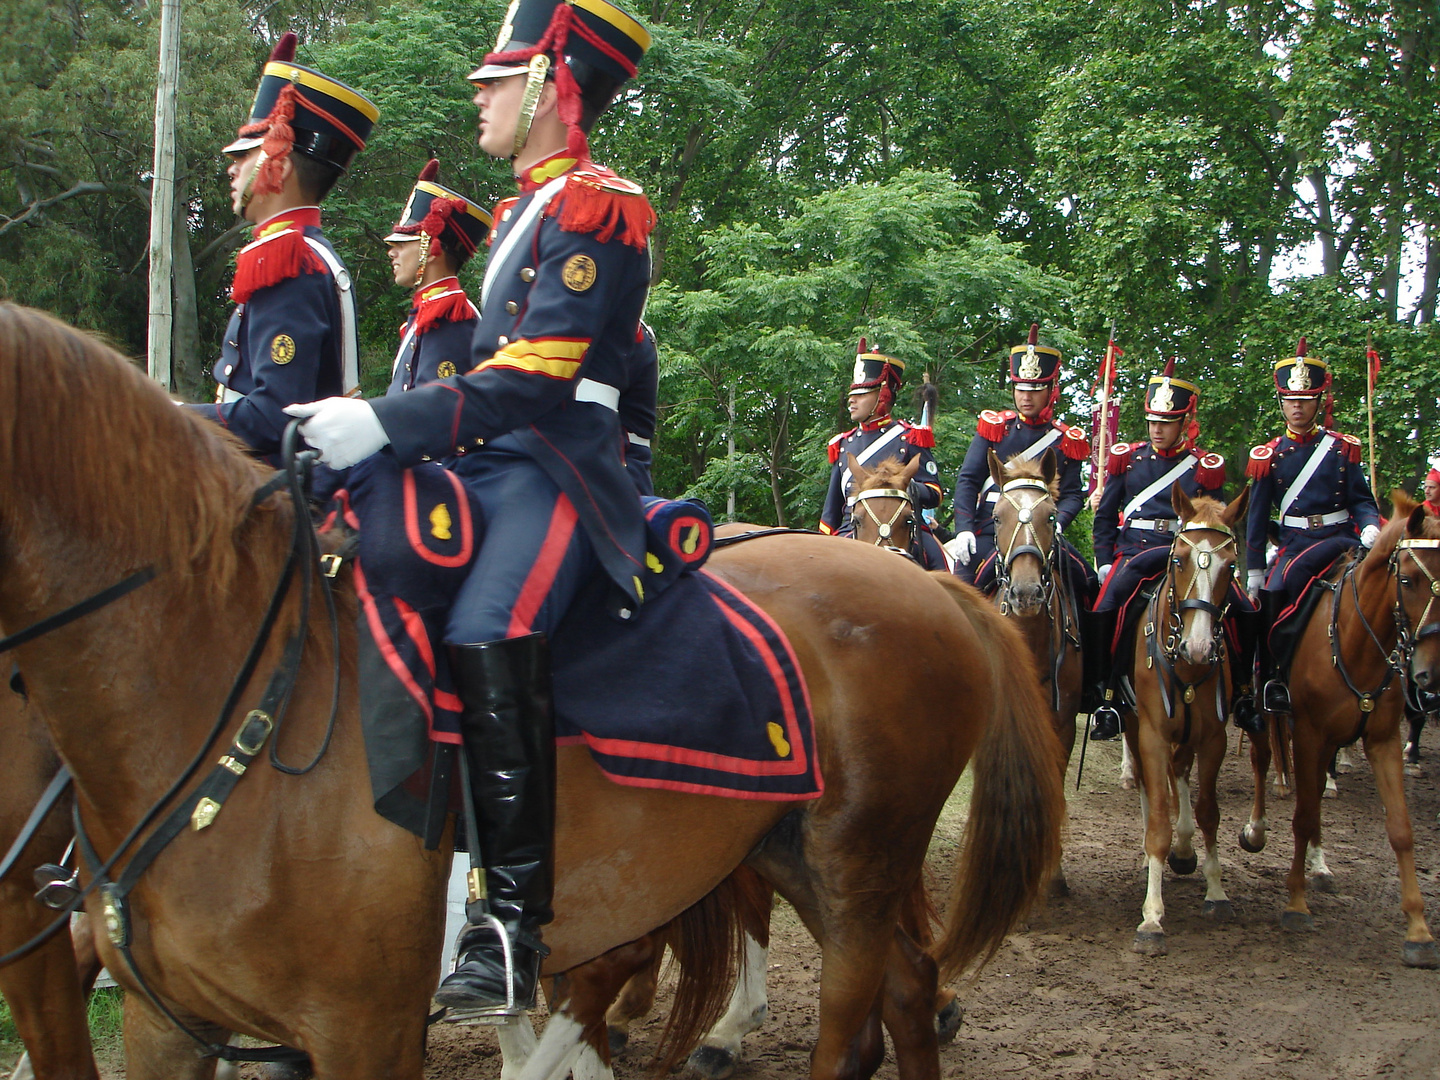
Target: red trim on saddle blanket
point(412, 526)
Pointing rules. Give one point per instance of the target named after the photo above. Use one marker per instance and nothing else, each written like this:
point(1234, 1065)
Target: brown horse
point(1380, 626)
point(883, 511)
point(1031, 593)
point(45, 990)
point(331, 941)
point(1182, 684)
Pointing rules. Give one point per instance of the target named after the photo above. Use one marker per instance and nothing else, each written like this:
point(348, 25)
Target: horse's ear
point(911, 467)
point(858, 471)
point(1049, 469)
point(997, 471)
point(1402, 503)
point(1184, 508)
point(1416, 525)
point(1236, 510)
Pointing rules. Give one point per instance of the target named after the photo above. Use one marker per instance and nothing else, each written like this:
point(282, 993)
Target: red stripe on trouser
point(547, 565)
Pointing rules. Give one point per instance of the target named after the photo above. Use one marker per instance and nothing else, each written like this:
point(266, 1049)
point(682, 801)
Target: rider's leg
point(1247, 622)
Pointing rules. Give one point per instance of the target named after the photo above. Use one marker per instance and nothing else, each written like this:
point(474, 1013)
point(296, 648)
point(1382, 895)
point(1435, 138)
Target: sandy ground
point(1067, 998)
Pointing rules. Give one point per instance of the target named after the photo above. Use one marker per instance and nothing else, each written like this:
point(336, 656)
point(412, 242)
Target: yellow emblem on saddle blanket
point(440, 522)
point(777, 739)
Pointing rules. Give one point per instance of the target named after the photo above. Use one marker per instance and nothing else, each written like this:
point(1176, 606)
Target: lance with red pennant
point(1106, 425)
point(1372, 374)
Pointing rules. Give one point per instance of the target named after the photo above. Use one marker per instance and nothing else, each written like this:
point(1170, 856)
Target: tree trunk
point(187, 375)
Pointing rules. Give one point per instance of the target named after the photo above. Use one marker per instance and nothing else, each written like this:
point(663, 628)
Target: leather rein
point(1162, 659)
point(1064, 631)
point(200, 807)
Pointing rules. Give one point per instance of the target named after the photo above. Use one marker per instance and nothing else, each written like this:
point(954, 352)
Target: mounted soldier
point(1312, 477)
point(292, 335)
point(1135, 526)
point(880, 437)
point(439, 230)
point(567, 279)
point(1024, 432)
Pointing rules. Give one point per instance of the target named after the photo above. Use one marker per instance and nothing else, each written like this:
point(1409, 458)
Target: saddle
point(1290, 624)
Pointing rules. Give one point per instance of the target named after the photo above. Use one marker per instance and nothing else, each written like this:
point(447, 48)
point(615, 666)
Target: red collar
point(1309, 436)
point(547, 169)
point(876, 425)
point(435, 290)
point(1040, 421)
point(299, 217)
point(1173, 453)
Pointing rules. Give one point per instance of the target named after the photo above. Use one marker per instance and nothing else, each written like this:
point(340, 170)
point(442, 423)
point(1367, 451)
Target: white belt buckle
point(1314, 521)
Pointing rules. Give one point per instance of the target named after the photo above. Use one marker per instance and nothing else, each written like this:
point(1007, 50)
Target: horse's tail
point(1017, 804)
point(706, 941)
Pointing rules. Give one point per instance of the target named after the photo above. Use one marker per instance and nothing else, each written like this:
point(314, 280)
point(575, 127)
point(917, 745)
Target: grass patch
point(106, 1011)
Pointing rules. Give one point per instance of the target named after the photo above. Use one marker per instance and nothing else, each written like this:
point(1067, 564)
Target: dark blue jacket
point(1130, 469)
point(282, 345)
point(884, 439)
point(1009, 434)
point(1337, 487)
point(638, 409)
point(558, 320)
point(434, 343)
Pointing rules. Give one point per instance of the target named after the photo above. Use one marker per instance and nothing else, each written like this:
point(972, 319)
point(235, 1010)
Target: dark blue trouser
point(1295, 567)
point(534, 555)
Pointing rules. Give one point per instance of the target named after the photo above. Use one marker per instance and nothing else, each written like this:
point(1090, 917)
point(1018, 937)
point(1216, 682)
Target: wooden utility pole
point(162, 196)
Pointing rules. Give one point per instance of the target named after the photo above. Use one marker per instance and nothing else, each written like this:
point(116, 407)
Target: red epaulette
point(502, 208)
point(1350, 446)
point(595, 200)
point(918, 436)
point(1074, 444)
point(834, 446)
point(1210, 471)
point(1258, 467)
point(447, 305)
point(991, 424)
point(279, 255)
point(1118, 460)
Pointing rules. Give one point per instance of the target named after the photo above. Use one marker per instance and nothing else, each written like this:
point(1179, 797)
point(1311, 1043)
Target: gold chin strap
point(248, 190)
point(424, 258)
point(534, 83)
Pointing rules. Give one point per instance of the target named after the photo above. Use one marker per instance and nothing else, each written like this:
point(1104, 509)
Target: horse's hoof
point(712, 1062)
point(1059, 888)
point(1219, 910)
point(1252, 846)
point(1185, 865)
point(1323, 883)
point(1415, 771)
point(949, 1019)
point(1331, 790)
point(618, 1038)
point(1297, 921)
point(1149, 943)
point(1422, 954)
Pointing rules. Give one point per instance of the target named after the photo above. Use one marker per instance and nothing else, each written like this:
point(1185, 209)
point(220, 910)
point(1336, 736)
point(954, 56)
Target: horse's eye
point(1404, 582)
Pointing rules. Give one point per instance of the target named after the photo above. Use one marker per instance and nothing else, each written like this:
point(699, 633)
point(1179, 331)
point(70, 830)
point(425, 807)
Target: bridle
point(904, 514)
point(1163, 658)
point(1025, 540)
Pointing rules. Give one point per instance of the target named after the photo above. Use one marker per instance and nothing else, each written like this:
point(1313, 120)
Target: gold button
point(506, 215)
point(502, 341)
point(511, 308)
point(460, 450)
point(527, 274)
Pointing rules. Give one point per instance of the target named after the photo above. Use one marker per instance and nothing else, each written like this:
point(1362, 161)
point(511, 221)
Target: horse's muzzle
point(1025, 599)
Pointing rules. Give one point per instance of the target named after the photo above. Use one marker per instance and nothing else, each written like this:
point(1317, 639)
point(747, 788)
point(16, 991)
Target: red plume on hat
point(430, 171)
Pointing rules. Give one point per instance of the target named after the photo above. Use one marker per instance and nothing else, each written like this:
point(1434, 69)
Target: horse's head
point(1202, 567)
point(1025, 532)
point(1415, 562)
point(884, 513)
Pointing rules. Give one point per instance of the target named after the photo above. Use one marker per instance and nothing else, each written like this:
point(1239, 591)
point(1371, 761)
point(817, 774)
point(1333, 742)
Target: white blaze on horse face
point(1197, 642)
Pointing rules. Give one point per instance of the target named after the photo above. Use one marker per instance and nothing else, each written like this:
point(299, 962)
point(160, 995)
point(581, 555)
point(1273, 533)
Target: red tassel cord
point(279, 140)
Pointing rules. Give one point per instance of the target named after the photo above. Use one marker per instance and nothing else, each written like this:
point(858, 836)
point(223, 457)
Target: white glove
point(1369, 535)
point(344, 430)
point(962, 548)
point(1254, 582)
point(1104, 571)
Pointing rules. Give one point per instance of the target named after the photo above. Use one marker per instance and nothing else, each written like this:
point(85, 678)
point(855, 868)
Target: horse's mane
point(884, 475)
point(1395, 529)
point(1015, 469)
point(100, 448)
point(1208, 511)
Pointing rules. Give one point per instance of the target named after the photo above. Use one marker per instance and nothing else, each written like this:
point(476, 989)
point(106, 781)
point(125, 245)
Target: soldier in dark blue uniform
point(438, 232)
point(880, 437)
point(1027, 432)
point(1135, 527)
point(564, 290)
point(638, 409)
point(292, 335)
point(1312, 478)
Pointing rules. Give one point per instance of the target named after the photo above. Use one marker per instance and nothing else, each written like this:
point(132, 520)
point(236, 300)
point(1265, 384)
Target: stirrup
point(1104, 724)
point(58, 887)
point(1275, 696)
point(488, 1014)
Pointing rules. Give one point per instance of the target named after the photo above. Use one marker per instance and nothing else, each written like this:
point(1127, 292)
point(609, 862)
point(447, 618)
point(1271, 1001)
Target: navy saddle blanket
point(699, 691)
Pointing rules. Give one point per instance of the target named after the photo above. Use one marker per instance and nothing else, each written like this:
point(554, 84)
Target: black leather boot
point(509, 730)
point(1274, 694)
point(1097, 631)
point(1242, 670)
